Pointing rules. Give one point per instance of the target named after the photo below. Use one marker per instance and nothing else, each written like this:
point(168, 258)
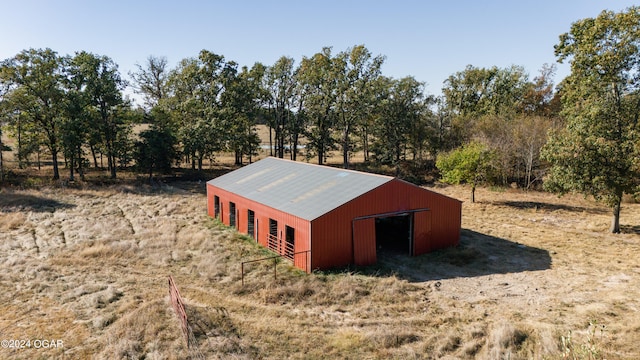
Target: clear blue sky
point(429, 40)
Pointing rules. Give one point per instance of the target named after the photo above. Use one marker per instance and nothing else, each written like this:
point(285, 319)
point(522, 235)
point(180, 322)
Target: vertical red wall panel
point(421, 232)
point(364, 241)
point(210, 208)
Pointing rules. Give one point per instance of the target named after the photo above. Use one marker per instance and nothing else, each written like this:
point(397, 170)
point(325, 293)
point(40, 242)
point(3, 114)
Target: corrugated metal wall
point(262, 216)
point(364, 241)
point(421, 232)
point(333, 245)
point(210, 208)
point(335, 235)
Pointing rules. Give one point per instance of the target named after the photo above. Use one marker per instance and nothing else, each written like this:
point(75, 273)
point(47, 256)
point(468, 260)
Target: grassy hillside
point(89, 267)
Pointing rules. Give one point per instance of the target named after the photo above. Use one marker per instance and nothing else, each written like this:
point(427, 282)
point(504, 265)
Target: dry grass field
point(535, 277)
point(85, 269)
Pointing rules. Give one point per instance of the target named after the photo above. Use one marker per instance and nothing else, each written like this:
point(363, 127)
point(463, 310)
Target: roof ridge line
point(332, 168)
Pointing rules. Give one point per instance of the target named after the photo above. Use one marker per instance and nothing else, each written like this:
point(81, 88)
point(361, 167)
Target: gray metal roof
point(304, 190)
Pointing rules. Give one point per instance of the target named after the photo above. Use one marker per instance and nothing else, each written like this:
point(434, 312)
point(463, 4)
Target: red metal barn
point(322, 217)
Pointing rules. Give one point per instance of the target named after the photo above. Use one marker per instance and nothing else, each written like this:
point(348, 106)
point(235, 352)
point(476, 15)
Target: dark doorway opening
point(393, 234)
point(232, 214)
point(273, 228)
point(216, 206)
point(289, 242)
point(251, 223)
point(272, 238)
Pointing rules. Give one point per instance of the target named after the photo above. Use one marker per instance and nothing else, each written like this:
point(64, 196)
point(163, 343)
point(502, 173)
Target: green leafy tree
point(359, 70)
point(37, 95)
point(76, 125)
point(196, 86)
point(280, 85)
point(239, 109)
point(103, 87)
point(319, 76)
point(470, 164)
point(75, 130)
point(155, 151)
point(597, 153)
point(480, 92)
point(399, 111)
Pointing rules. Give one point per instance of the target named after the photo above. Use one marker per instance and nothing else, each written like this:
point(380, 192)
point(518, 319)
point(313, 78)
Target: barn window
point(289, 247)
point(272, 238)
point(251, 223)
point(232, 214)
point(216, 206)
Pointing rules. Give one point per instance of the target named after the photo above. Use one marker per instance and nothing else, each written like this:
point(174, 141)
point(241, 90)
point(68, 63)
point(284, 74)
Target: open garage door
point(394, 235)
point(406, 232)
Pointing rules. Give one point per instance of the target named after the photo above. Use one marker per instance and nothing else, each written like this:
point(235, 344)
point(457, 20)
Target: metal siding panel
point(263, 214)
point(332, 242)
point(364, 242)
point(398, 195)
point(421, 232)
point(210, 209)
point(445, 218)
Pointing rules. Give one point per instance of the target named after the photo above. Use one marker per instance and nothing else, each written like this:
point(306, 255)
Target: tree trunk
point(93, 153)
point(71, 178)
point(280, 134)
point(345, 148)
point(270, 140)
point(80, 163)
point(365, 144)
point(473, 193)
point(20, 153)
point(113, 166)
point(615, 220)
point(294, 147)
point(320, 155)
point(56, 171)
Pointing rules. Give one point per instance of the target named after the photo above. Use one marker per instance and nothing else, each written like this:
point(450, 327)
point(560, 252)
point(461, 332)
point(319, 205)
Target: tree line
point(592, 145)
point(74, 107)
point(492, 125)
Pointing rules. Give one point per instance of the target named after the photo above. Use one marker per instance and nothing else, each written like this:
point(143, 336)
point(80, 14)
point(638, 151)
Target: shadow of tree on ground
point(21, 202)
point(477, 255)
point(630, 229)
point(550, 206)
